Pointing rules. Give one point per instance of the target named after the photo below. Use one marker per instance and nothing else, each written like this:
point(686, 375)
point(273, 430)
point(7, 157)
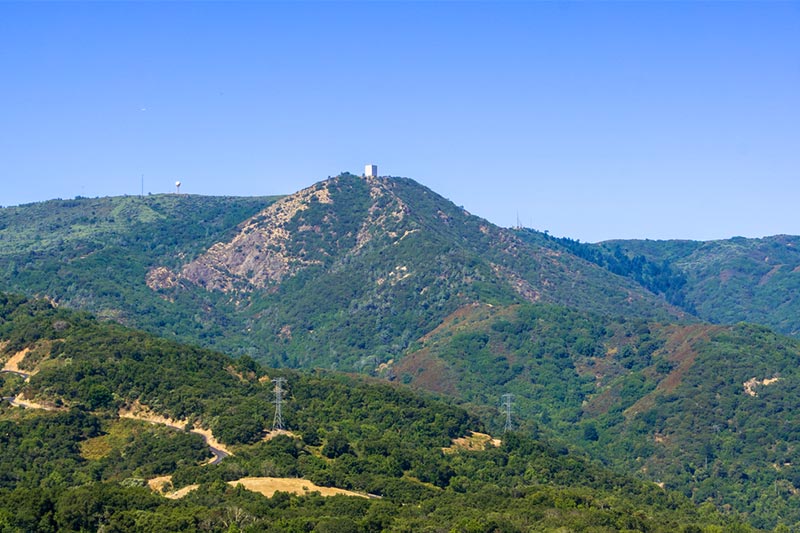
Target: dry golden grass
point(162, 484)
point(157, 483)
point(275, 432)
point(180, 493)
point(268, 486)
point(13, 363)
point(473, 442)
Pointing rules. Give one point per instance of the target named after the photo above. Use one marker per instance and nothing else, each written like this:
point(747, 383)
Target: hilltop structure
point(371, 171)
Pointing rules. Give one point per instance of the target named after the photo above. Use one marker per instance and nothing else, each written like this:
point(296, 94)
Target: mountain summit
point(367, 265)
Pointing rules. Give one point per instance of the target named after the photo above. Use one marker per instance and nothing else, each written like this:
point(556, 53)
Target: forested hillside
point(344, 274)
point(724, 281)
point(94, 254)
point(78, 466)
point(733, 280)
point(711, 411)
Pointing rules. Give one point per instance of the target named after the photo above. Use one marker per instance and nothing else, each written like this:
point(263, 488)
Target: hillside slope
point(81, 467)
point(344, 274)
point(94, 254)
point(709, 410)
point(734, 280)
point(353, 269)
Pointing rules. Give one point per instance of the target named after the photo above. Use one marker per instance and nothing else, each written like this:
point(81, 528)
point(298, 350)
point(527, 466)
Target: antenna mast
point(507, 400)
point(277, 422)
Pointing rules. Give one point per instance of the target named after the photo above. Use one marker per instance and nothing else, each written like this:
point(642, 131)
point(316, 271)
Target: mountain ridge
point(733, 280)
point(387, 239)
point(385, 277)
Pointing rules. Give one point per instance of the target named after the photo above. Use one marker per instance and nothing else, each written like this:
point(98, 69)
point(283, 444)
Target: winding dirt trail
point(140, 412)
point(12, 367)
point(20, 401)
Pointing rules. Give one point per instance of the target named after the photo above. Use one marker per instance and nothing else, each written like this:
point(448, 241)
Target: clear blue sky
point(590, 120)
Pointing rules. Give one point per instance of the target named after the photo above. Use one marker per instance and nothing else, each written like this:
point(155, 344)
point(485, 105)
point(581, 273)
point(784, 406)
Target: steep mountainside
point(343, 274)
point(350, 270)
point(407, 462)
point(94, 254)
point(712, 411)
point(734, 280)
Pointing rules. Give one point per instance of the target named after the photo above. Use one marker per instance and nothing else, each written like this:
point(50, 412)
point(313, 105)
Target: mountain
point(344, 274)
point(708, 410)
point(723, 281)
point(353, 269)
point(381, 276)
point(397, 461)
point(94, 254)
point(733, 280)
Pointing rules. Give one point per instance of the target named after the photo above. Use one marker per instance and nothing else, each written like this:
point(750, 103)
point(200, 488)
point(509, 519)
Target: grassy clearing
point(472, 442)
point(268, 486)
point(117, 434)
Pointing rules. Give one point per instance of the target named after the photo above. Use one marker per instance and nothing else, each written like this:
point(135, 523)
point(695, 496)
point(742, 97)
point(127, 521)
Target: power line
point(277, 422)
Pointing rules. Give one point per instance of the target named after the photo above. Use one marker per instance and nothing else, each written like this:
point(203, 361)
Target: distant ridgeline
point(74, 464)
point(724, 282)
point(659, 278)
point(602, 345)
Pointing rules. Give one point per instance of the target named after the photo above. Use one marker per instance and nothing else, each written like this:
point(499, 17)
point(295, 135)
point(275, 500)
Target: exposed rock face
point(378, 216)
point(392, 245)
point(257, 257)
point(161, 278)
point(520, 286)
point(265, 251)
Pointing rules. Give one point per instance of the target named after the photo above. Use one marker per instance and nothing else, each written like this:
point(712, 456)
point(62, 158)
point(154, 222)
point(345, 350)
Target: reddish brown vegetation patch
point(456, 320)
point(766, 277)
point(679, 349)
point(428, 372)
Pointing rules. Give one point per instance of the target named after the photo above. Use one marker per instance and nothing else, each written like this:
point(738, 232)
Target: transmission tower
point(507, 400)
point(277, 422)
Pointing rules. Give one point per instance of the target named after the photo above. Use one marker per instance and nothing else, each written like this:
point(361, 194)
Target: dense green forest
point(708, 410)
point(733, 280)
point(80, 467)
point(659, 278)
point(723, 281)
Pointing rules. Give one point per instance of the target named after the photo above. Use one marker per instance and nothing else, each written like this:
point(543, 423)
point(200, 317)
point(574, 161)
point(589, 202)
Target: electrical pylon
point(277, 422)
